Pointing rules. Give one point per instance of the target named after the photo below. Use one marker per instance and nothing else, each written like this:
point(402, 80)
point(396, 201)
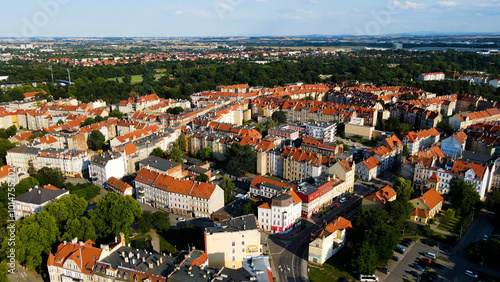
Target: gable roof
point(261, 179)
point(84, 255)
point(39, 196)
point(432, 198)
point(118, 184)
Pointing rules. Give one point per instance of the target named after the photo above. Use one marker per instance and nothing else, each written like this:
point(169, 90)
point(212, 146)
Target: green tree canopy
point(463, 196)
point(176, 155)
point(279, 117)
point(81, 228)
point(114, 214)
point(205, 153)
point(145, 222)
point(4, 146)
point(403, 189)
point(116, 114)
point(240, 160)
point(96, 140)
point(161, 221)
point(66, 208)
point(227, 185)
point(364, 259)
point(202, 178)
point(25, 184)
point(158, 152)
point(47, 175)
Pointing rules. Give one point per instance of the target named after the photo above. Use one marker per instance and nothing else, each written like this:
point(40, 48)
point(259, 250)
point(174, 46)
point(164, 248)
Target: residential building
point(495, 82)
point(328, 241)
point(281, 213)
point(266, 188)
point(431, 76)
point(119, 187)
point(320, 194)
point(235, 241)
point(179, 196)
point(368, 169)
point(35, 199)
point(161, 166)
point(299, 164)
point(462, 121)
point(73, 163)
point(22, 157)
point(454, 145)
point(321, 130)
point(379, 198)
point(427, 206)
point(106, 165)
point(345, 170)
point(76, 260)
point(476, 79)
point(415, 141)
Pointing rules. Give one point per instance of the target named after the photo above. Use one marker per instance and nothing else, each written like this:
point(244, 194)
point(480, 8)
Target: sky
point(182, 18)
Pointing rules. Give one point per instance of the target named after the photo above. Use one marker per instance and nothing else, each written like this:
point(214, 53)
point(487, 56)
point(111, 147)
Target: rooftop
point(237, 224)
point(39, 196)
point(158, 163)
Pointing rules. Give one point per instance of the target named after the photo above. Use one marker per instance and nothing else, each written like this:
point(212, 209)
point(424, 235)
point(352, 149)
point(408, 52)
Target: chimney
point(39, 191)
point(126, 259)
point(161, 260)
point(74, 241)
point(143, 259)
point(158, 263)
point(150, 265)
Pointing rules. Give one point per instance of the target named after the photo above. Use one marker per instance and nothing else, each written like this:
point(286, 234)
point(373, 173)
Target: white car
point(342, 200)
point(180, 219)
point(470, 273)
point(485, 238)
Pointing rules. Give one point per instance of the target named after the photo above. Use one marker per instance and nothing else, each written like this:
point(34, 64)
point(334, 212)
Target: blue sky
point(160, 18)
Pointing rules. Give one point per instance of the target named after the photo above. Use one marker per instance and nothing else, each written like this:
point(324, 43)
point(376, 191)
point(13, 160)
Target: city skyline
point(66, 18)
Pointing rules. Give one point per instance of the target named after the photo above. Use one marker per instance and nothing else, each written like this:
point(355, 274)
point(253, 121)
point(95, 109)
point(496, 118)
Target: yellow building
point(232, 242)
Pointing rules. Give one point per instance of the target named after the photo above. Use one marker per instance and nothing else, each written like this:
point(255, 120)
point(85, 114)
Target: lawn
point(449, 224)
point(330, 271)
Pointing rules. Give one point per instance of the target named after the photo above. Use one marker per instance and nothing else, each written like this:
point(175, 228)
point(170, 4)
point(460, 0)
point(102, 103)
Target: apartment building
point(454, 145)
point(179, 196)
point(280, 215)
point(415, 141)
point(328, 241)
point(233, 242)
point(119, 187)
point(266, 188)
point(22, 157)
point(35, 199)
point(462, 121)
point(106, 165)
point(427, 206)
point(73, 163)
point(431, 76)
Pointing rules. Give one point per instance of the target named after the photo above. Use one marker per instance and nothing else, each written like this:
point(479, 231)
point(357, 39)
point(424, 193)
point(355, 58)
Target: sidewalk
point(434, 227)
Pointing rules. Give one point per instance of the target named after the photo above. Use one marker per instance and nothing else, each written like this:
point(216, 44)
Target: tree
point(88, 121)
point(463, 196)
point(96, 140)
point(181, 143)
point(66, 208)
point(175, 111)
point(161, 221)
point(11, 130)
point(176, 155)
point(114, 214)
point(60, 122)
point(364, 259)
point(35, 236)
point(87, 191)
point(279, 117)
point(240, 160)
point(383, 239)
point(202, 178)
point(4, 271)
point(81, 228)
point(116, 114)
point(445, 127)
point(228, 186)
point(145, 222)
point(5, 145)
point(25, 184)
point(47, 175)
point(247, 209)
point(403, 189)
point(206, 153)
point(406, 151)
point(158, 152)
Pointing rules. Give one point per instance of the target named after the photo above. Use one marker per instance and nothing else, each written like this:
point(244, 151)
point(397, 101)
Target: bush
point(141, 244)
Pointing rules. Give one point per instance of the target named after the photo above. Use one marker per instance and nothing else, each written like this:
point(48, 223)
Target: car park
point(433, 274)
point(400, 249)
point(405, 243)
point(427, 277)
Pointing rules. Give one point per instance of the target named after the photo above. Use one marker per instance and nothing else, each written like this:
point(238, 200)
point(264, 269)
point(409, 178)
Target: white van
point(368, 278)
point(430, 255)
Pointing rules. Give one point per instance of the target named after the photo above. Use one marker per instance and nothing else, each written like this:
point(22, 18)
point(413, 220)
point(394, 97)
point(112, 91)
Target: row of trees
point(377, 232)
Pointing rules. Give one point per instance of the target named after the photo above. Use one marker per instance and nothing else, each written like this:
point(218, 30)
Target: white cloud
point(408, 5)
point(448, 3)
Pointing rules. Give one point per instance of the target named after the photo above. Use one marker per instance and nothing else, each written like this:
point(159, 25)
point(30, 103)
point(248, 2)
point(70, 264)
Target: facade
point(454, 145)
point(328, 241)
point(368, 169)
point(73, 163)
point(266, 188)
point(179, 196)
point(104, 166)
point(462, 121)
point(321, 130)
point(418, 140)
point(236, 240)
point(321, 194)
point(161, 166)
point(35, 199)
point(281, 214)
point(22, 157)
point(495, 82)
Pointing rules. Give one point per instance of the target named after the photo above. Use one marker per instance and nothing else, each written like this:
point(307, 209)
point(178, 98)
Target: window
point(234, 258)
point(234, 250)
point(234, 243)
point(242, 243)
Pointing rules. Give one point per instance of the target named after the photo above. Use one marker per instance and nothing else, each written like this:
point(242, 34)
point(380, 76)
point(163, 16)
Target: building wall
point(229, 249)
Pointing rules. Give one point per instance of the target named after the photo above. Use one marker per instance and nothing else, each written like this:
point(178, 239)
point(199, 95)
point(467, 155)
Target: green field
point(330, 271)
point(449, 224)
point(134, 79)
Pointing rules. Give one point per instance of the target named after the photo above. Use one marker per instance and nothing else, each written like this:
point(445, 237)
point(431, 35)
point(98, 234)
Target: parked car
point(485, 237)
point(400, 249)
point(335, 205)
point(396, 257)
point(413, 273)
point(423, 264)
point(427, 260)
point(418, 267)
point(470, 273)
point(430, 255)
point(342, 200)
point(180, 219)
point(384, 270)
point(405, 243)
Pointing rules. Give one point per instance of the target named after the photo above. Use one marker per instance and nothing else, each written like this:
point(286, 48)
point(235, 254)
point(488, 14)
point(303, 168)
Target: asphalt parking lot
point(401, 270)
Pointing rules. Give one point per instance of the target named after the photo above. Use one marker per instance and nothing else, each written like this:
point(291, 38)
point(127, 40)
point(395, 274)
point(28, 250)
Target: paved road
point(289, 251)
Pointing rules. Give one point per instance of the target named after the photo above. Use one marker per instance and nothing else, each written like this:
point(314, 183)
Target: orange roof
point(84, 255)
point(461, 166)
point(296, 199)
point(432, 198)
point(201, 260)
point(338, 224)
point(371, 162)
point(50, 187)
point(265, 206)
point(118, 184)
point(260, 179)
point(434, 178)
point(4, 171)
point(420, 213)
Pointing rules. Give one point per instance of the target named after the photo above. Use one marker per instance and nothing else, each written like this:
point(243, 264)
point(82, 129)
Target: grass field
point(330, 271)
point(449, 224)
